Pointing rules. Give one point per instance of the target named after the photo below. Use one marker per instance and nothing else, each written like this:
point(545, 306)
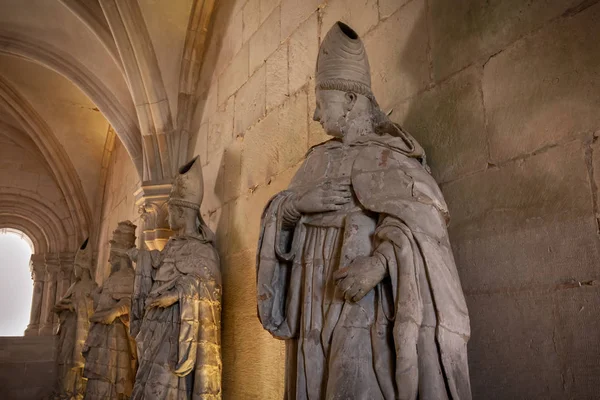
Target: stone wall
point(27, 367)
point(504, 96)
point(119, 202)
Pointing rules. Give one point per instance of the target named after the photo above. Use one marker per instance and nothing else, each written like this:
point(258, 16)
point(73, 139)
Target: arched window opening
point(16, 286)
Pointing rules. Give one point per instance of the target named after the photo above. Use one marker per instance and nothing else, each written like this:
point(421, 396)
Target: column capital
point(67, 260)
point(38, 266)
point(153, 191)
point(52, 263)
point(151, 200)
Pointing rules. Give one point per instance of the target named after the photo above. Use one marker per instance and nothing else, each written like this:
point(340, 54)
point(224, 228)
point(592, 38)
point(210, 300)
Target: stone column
point(48, 315)
point(152, 202)
point(38, 272)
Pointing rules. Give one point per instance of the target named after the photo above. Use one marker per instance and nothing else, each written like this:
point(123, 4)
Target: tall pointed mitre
point(123, 237)
point(188, 185)
point(83, 257)
point(342, 63)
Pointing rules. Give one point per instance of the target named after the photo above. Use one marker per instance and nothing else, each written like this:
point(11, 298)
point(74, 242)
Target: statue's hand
point(362, 275)
point(133, 253)
point(164, 300)
point(104, 317)
point(327, 197)
point(63, 306)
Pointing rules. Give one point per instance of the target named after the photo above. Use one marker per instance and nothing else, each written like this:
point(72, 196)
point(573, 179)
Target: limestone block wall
point(504, 96)
point(27, 367)
point(118, 205)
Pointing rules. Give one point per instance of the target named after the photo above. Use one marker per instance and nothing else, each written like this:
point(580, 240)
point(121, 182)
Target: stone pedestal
point(38, 273)
point(50, 285)
point(152, 202)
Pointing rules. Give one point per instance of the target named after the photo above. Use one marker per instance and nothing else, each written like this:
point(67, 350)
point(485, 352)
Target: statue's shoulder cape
point(197, 257)
point(391, 181)
point(120, 283)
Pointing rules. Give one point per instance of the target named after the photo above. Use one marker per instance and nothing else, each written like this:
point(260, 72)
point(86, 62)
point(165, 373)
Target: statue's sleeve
point(141, 287)
point(279, 269)
point(419, 274)
point(67, 296)
point(414, 240)
point(96, 295)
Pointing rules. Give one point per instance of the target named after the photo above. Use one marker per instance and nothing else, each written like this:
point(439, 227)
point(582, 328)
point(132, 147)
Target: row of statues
point(354, 271)
point(96, 353)
point(152, 332)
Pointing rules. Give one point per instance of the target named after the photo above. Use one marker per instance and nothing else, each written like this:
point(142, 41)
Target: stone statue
point(110, 354)
point(355, 269)
point(74, 311)
point(176, 305)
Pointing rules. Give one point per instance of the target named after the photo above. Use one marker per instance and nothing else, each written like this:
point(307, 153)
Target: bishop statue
point(355, 269)
point(176, 304)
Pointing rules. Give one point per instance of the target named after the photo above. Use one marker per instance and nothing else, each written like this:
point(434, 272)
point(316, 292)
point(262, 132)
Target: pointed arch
point(191, 67)
point(145, 84)
point(22, 140)
point(90, 13)
point(55, 155)
point(125, 125)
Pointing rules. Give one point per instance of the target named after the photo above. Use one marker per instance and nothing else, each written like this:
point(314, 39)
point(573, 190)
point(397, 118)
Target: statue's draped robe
point(110, 360)
point(406, 339)
point(179, 347)
point(72, 334)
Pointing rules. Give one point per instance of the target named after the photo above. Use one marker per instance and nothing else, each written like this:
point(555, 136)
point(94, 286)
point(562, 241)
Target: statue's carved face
point(115, 260)
point(175, 216)
point(332, 108)
point(77, 270)
point(81, 264)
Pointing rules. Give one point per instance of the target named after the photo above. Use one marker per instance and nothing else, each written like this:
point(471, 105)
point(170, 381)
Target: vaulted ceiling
point(69, 71)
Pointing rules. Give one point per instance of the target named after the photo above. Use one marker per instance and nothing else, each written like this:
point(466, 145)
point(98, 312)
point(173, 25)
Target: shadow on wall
point(251, 357)
point(511, 136)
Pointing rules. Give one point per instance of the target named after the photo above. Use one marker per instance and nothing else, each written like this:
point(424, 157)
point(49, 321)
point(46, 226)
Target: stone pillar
point(152, 202)
point(38, 272)
point(48, 315)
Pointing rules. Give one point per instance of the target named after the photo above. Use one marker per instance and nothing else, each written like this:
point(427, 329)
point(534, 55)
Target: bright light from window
point(16, 285)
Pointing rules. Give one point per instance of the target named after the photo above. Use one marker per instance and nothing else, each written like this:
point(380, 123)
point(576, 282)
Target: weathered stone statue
point(176, 306)
point(355, 270)
point(74, 311)
point(110, 354)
